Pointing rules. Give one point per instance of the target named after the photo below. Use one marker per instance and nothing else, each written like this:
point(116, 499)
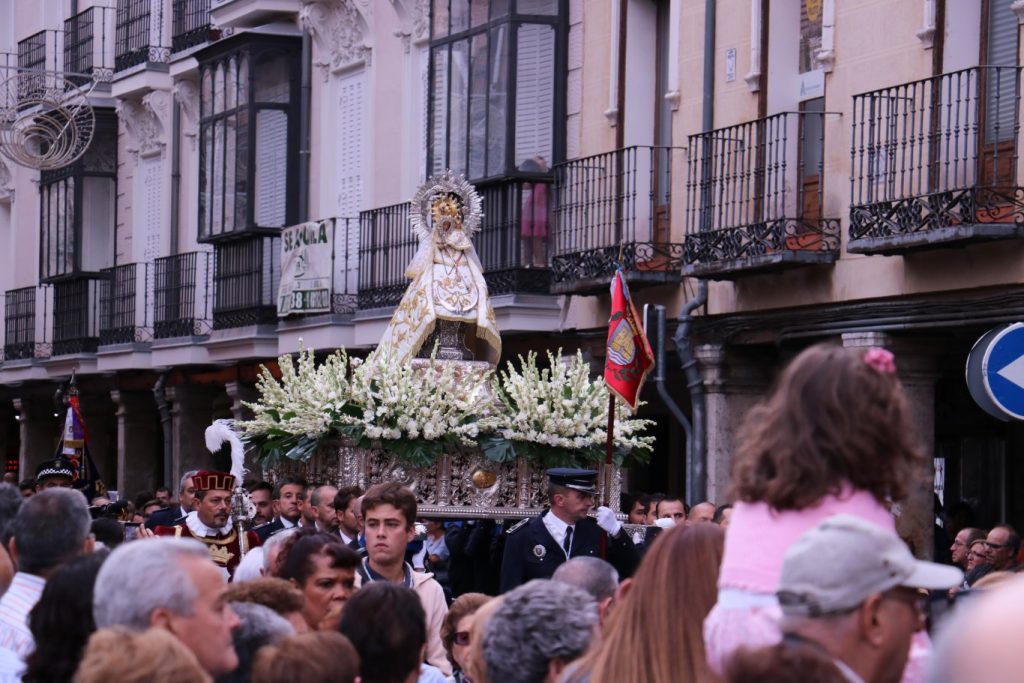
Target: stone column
point(38, 430)
point(915, 366)
point(239, 392)
point(734, 381)
point(191, 414)
point(139, 466)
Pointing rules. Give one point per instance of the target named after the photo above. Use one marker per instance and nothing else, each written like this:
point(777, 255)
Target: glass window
point(483, 124)
point(247, 154)
point(77, 208)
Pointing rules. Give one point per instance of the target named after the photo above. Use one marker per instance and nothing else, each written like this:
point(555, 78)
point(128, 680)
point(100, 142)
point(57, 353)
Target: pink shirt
point(759, 536)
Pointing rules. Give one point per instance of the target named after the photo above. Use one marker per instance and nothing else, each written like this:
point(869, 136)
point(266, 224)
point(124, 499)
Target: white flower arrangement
point(559, 415)
point(416, 409)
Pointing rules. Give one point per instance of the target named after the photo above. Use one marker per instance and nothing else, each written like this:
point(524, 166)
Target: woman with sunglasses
point(455, 632)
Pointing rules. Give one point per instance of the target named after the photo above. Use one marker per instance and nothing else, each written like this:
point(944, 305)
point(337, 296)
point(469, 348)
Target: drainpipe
point(164, 409)
point(659, 382)
point(175, 173)
point(696, 451)
point(305, 105)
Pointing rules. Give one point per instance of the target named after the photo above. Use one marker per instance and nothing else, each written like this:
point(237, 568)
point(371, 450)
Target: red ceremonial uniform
point(224, 548)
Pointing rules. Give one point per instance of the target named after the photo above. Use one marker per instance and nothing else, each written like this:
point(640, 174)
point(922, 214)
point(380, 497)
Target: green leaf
point(498, 448)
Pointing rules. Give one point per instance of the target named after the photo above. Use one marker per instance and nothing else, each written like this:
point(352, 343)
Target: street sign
point(995, 372)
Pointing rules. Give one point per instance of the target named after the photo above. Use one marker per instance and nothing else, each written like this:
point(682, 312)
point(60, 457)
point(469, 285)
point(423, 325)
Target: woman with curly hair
point(835, 436)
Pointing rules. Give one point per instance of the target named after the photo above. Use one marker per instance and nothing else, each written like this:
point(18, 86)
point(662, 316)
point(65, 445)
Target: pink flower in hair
point(881, 360)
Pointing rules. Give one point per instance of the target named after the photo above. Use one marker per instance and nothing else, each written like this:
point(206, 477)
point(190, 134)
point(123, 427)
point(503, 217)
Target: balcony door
point(661, 157)
point(999, 94)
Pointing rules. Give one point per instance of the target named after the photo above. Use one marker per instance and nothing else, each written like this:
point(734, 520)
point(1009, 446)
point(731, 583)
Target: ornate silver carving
point(442, 184)
point(463, 483)
point(450, 337)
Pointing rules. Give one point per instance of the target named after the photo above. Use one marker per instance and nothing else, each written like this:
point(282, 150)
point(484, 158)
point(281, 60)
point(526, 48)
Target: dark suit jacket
point(264, 531)
point(165, 517)
point(531, 552)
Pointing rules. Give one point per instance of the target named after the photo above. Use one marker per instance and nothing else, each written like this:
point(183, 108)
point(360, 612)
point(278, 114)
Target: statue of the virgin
point(447, 301)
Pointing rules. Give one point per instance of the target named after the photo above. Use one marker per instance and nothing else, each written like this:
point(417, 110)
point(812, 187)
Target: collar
point(849, 674)
point(556, 527)
point(371, 576)
point(27, 582)
point(346, 539)
point(285, 523)
point(199, 529)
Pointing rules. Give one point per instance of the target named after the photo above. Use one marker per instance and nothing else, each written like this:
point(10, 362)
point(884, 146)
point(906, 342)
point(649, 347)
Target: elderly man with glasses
point(855, 592)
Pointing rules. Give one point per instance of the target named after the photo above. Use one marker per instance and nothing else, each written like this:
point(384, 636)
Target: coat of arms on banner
point(306, 268)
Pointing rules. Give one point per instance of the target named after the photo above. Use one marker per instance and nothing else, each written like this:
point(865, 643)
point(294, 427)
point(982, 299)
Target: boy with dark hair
point(389, 516)
point(386, 623)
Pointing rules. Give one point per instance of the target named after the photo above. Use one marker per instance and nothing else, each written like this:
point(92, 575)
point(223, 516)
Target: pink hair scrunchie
point(881, 360)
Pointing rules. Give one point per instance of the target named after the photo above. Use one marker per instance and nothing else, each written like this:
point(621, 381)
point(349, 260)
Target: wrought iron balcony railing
point(611, 208)
point(386, 246)
point(191, 24)
point(86, 44)
point(246, 276)
point(24, 330)
point(76, 316)
point(139, 34)
point(182, 291)
point(755, 197)
point(512, 244)
point(934, 161)
point(125, 301)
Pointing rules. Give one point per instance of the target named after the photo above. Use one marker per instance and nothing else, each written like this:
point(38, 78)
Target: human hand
point(607, 521)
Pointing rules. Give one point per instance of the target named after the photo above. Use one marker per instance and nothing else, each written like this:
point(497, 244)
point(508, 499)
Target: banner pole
point(609, 447)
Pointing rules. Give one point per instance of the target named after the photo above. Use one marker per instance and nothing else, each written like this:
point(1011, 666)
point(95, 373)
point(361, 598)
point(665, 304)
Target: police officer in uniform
point(535, 547)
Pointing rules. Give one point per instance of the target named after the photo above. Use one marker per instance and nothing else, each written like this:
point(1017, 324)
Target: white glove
point(665, 523)
point(606, 520)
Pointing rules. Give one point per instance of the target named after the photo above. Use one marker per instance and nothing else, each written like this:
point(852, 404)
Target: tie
point(567, 543)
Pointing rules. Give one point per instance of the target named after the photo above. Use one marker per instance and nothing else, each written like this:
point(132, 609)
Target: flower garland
point(419, 409)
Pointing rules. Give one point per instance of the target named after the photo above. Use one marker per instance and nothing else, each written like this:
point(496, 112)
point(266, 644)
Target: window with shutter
point(495, 86)
point(247, 156)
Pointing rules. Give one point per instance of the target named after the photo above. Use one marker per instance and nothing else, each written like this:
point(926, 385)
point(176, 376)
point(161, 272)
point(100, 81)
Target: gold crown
point(220, 555)
point(445, 207)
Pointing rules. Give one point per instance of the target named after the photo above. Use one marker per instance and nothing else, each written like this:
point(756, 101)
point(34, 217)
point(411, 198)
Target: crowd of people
point(803, 577)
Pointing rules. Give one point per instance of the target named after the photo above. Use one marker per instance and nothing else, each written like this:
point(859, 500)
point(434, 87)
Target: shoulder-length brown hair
point(831, 419)
point(654, 639)
point(464, 605)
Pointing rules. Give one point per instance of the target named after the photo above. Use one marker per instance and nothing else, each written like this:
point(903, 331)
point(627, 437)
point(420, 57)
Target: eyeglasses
point(918, 599)
point(461, 638)
point(995, 546)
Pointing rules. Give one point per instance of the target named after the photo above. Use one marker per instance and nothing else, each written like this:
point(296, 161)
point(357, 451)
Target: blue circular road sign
point(995, 372)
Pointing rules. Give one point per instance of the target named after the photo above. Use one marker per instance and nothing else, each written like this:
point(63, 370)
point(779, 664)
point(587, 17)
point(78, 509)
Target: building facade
point(819, 169)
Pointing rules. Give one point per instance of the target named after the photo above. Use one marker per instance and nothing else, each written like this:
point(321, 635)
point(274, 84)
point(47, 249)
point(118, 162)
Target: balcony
point(755, 198)
point(614, 208)
point(181, 295)
point(513, 262)
point(935, 162)
point(76, 316)
point(23, 329)
point(191, 24)
point(138, 35)
point(245, 281)
point(85, 47)
point(125, 300)
point(386, 246)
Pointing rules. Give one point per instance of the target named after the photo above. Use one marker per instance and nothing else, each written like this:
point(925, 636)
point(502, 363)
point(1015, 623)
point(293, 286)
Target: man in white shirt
point(51, 528)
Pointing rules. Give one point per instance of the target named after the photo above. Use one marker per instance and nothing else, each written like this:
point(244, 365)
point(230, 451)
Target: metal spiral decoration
point(46, 121)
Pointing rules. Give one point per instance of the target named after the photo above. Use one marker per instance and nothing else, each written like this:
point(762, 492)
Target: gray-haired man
point(540, 628)
point(169, 583)
point(855, 591)
point(51, 528)
point(175, 514)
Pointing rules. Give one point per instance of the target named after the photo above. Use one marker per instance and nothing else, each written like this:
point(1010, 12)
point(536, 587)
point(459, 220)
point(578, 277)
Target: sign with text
point(306, 266)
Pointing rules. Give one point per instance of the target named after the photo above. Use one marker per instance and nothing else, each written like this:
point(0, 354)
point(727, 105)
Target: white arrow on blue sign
point(995, 372)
